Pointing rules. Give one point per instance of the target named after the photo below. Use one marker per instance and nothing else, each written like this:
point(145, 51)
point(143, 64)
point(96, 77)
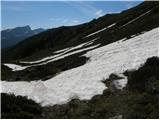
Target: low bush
point(13, 107)
point(145, 76)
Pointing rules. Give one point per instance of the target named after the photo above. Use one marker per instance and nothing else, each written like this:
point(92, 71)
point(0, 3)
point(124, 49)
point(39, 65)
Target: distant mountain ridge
point(12, 36)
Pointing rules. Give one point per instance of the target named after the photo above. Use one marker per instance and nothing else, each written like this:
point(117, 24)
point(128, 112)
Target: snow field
point(84, 82)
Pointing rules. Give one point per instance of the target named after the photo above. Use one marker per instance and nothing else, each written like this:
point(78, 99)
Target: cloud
point(74, 22)
point(129, 5)
point(99, 13)
point(65, 21)
point(61, 20)
point(87, 9)
point(114, 12)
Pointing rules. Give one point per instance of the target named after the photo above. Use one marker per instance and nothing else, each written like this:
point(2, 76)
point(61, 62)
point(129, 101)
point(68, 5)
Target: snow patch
point(52, 59)
point(15, 67)
point(62, 52)
point(111, 25)
point(103, 29)
point(136, 18)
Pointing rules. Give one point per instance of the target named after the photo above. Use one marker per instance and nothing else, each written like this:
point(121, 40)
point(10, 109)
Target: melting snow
point(84, 82)
point(103, 29)
point(52, 59)
point(111, 25)
point(136, 18)
point(15, 67)
point(71, 53)
point(62, 52)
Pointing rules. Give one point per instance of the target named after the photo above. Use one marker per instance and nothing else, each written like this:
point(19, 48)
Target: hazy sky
point(51, 14)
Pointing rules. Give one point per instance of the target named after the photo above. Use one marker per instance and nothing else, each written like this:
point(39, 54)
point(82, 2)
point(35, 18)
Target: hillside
point(107, 29)
point(59, 38)
point(85, 81)
point(106, 68)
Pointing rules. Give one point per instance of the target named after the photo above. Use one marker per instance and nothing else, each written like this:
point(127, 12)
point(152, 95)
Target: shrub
point(19, 107)
point(142, 78)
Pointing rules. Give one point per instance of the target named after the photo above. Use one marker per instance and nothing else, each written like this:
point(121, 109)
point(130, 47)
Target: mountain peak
point(25, 28)
point(12, 36)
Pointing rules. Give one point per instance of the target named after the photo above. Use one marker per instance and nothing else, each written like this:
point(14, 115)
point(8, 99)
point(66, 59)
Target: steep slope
point(11, 37)
point(38, 57)
point(85, 81)
point(135, 20)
